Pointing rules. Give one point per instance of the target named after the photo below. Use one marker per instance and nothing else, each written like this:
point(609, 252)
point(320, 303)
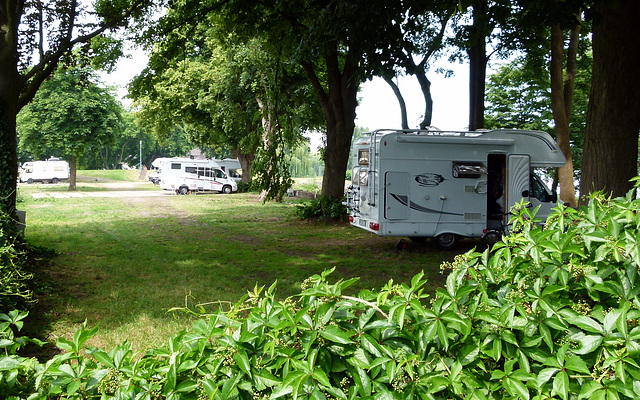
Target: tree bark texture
point(246, 163)
point(477, 64)
point(610, 154)
point(73, 173)
point(10, 85)
point(561, 100)
point(339, 103)
point(425, 86)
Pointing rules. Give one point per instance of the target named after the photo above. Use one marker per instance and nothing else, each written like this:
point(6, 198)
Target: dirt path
point(98, 188)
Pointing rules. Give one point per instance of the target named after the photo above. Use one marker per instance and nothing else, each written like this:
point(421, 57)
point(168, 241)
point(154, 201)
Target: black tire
point(447, 241)
point(491, 237)
point(226, 189)
point(54, 180)
point(29, 181)
point(183, 190)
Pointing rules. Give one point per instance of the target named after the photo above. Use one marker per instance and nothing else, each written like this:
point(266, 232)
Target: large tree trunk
point(339, 105)
point(9, 95)
point(73, 173)
point(478, 59)
point(425, 85)
point(610, 154)
point(246, 163)
point(8, 153)
point(561, 100)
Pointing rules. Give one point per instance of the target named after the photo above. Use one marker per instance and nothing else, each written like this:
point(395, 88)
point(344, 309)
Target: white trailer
point(232, 167)
point(185, 175)
point(447, 185)
point(53, 170)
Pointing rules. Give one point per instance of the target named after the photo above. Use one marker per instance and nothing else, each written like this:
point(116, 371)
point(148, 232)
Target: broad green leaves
point(545, 315)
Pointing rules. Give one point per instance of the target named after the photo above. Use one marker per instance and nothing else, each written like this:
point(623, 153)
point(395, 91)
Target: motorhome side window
point(363, 157)
point(191, 170)
point(468, 169)
point(176, 166)
point(220, 174)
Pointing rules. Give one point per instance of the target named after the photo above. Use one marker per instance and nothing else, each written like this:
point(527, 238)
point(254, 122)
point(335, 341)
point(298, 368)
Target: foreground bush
point(549, 314)
point(14, 290)
point(322, 208)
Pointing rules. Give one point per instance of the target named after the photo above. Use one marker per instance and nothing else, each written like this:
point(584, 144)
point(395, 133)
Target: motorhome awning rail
point(455, 140)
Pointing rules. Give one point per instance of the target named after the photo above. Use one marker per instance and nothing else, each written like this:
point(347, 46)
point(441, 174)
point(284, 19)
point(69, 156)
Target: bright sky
point(378, 108)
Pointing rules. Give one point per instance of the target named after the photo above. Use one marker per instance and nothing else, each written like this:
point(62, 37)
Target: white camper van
point(447, 185)
point(185, 175)
point(231, 167)
point(53, 170)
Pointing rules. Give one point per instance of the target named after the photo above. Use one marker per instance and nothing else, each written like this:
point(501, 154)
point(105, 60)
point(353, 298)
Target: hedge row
point(547, 314)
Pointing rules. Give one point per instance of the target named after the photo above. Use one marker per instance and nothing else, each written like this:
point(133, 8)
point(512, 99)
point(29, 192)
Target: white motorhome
point(232, 167)
point(447, 185)
point(53, 170)
point(185, 175)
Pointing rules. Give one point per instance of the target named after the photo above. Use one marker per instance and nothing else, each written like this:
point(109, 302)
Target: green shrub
point(323, 208)
point(244, 187)
point(14, 291)
point(550, 313)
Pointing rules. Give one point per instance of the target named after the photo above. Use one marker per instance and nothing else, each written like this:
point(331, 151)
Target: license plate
point(362, 222)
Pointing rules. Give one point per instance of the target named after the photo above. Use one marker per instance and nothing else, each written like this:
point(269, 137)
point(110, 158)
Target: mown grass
point(124, 262)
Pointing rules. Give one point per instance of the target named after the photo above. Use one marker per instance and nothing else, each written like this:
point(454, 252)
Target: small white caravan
point(232, 167)
point(447, 185)
point(186, 175)
point(53, 170)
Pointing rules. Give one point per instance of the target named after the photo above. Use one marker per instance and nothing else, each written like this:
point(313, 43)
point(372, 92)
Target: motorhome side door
point(396, 198)
point(518, 175)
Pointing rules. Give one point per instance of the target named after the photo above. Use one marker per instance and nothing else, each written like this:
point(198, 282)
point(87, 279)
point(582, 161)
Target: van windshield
point(539, 189)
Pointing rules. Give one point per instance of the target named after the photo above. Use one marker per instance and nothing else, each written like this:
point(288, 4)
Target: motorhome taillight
point(350, 218)
point(373, 226)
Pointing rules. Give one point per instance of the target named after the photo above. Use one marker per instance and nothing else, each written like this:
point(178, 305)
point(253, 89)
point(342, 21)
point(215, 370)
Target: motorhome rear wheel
point(183, 190)
point(447, 241)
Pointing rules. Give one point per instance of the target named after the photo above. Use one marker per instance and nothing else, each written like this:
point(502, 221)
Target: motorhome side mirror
point(525, 193)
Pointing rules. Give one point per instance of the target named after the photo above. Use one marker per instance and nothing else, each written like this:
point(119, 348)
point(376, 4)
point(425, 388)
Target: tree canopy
point(35, 38)
point(69, 114)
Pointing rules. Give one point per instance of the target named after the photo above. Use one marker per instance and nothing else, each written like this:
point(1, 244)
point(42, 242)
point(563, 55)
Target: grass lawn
point(123, 262)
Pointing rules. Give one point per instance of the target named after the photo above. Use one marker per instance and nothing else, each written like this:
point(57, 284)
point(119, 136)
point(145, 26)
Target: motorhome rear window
point(468, 169)
point(176, 166)
point(363, 156)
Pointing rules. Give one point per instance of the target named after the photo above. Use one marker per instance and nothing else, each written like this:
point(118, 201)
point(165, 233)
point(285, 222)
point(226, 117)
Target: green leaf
point(586, 343)
point(8, 363)
point(516, 388)
point(545, 375)
point(266, 377)
point(335, 334)
point(586, 323)
point(321, 377)
point(187, 386)
point(242, 360)
point(370, 344)
point(103, 358)
point(561, 385)
point(360, 359)
point(577, 364)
